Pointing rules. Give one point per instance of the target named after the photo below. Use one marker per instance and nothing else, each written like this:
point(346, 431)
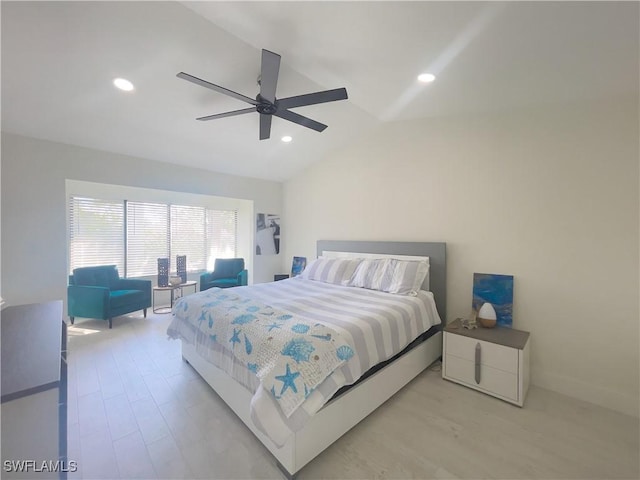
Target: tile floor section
point(136, 410)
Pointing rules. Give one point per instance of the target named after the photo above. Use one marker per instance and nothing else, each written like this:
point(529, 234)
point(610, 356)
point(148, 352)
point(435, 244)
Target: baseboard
point(604, 397)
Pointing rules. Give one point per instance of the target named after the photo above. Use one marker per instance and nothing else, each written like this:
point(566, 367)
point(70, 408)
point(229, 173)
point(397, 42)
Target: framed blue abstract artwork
point(496, 290)
point(298, 265)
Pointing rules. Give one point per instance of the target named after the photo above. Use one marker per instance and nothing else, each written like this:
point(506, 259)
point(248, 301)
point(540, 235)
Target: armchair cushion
point(123, 298)
point(130, 284)
point(224, 283)
point(227, 268)
point(96, 276)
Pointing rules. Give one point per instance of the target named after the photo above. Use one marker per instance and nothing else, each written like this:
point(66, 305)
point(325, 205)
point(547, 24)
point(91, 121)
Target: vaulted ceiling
point(59, 60)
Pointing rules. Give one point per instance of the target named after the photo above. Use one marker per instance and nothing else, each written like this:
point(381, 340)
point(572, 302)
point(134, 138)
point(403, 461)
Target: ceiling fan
point(266, 103)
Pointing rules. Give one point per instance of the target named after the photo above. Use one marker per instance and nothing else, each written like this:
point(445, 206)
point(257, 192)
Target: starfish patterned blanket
point(290, 355)
point(296, 342)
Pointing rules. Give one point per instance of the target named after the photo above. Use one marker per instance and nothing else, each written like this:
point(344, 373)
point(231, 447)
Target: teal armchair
point(227, 272)
point(99, 292)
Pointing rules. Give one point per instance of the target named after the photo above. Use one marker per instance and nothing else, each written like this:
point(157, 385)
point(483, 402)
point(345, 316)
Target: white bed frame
point(342, 413)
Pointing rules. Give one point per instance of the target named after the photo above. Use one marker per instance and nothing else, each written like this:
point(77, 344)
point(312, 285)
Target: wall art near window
point(496, 290)
point(267, 234)
point(298, 265)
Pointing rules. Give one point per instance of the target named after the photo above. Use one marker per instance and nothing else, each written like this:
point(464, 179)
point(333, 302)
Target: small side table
point(492, 360)
point(172, 290)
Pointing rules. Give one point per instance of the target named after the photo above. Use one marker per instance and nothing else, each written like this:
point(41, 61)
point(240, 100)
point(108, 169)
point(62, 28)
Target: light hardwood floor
point(136, 410)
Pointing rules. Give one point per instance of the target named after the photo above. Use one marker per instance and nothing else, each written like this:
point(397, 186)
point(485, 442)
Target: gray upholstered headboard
point(436, 251)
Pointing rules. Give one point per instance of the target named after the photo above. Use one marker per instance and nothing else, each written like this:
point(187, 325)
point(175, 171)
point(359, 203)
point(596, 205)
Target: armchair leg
point(72, 319)
point(144, 313)
point(110, 323)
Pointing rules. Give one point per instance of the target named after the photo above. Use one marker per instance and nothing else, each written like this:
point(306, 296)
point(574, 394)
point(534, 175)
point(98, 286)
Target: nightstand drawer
point(491, 354)
point(493, 381)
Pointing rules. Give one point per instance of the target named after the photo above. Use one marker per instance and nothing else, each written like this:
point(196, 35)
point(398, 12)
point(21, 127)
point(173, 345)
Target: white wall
point(548, 195)
point(34, 173)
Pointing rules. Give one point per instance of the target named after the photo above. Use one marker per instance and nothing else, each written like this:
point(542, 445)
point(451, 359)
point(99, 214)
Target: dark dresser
point(34, 391)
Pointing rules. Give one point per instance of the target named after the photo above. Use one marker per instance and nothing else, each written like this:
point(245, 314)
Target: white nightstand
point(492, 360)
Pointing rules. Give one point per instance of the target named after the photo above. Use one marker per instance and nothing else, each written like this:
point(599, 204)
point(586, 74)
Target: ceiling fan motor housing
point(265, 106)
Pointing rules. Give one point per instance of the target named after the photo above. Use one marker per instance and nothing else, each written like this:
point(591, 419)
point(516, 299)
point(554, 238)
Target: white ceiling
point(59, 58)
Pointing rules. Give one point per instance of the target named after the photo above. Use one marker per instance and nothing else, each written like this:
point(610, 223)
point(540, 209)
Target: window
point(188, 236)
point(222, 228)
point(133, 235)
point(95, 233)
point(147, 237)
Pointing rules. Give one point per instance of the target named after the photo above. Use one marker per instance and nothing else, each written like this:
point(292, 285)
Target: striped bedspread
point(377, 324)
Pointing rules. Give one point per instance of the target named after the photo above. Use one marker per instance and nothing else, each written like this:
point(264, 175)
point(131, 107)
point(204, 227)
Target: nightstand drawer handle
point(478, 363)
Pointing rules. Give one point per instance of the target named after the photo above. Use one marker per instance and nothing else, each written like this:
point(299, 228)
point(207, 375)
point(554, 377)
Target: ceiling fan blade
point(300, 120)
point(216, 88)
point(265, 126)
point(227, 114)
point(269, 75)
point(313, 98)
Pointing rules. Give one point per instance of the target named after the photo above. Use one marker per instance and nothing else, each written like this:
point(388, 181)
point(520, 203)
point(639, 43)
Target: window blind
point(96, 230)
point(133, 235)
point(221, 235)
point(147, 237)
point(188, 236)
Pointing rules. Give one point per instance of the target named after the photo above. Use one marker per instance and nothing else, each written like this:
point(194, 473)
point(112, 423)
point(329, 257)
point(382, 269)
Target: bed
point(299, 419)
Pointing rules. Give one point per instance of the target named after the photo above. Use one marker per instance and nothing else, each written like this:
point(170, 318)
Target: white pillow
point(331, 270)
point(403, 277)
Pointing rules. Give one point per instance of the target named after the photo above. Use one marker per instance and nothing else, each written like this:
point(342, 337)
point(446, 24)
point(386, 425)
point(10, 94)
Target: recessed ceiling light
point(123, 84)
point(426, 77)
point(286, 139)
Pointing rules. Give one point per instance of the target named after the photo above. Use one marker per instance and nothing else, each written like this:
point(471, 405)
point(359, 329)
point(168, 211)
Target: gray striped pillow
point(371, 273)
point(406, 276)
point(331, 270)
point(391, 275)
